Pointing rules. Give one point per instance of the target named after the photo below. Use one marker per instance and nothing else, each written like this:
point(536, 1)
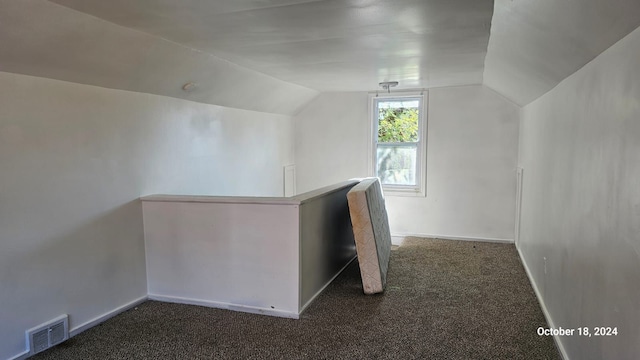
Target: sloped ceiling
point(536, 44)
point(327, 45)
point(275, 55)
point(156, 46)
point(40, 38)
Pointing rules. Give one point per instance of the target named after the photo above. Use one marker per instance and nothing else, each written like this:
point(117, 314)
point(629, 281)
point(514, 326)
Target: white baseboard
point(397, 239)
point(449, 237)
point(226, 306)
point(303, 307)
point(102, 318)
point(21, 356)
point(547, 316)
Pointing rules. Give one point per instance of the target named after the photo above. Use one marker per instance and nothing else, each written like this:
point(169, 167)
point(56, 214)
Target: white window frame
point(421, 157)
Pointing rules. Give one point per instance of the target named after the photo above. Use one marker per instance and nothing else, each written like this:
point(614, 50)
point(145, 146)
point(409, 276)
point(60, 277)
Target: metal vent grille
point(40, 340)
point(48, 334)
point(56, 334)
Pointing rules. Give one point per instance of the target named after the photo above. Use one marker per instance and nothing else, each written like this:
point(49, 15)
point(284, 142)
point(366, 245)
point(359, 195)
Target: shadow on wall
point(339, 215)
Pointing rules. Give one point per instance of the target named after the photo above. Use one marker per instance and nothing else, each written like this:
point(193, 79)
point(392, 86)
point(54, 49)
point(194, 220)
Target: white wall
point(581, 201)
point(222, 253)
point(472, 146)
point(331, 135)
point(269, 255)
point(73, 161)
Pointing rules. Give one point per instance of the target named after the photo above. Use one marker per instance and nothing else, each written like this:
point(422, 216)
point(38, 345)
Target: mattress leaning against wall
point(371, 232)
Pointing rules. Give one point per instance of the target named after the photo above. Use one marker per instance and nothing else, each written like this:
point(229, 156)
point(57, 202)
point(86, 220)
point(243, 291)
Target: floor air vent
point(52, 333)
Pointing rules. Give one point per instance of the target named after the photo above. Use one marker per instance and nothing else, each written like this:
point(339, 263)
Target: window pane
point(398, 120)
point(397, 164)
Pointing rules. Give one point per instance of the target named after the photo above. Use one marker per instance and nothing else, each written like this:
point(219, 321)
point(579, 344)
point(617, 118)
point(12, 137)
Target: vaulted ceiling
point(536, 44)
point(273, 55)
point(327, 45)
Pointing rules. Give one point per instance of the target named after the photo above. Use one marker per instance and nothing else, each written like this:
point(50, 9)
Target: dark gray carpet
point(444, 300)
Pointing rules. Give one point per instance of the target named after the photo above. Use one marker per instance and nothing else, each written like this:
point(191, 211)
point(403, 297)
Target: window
point(398, 156)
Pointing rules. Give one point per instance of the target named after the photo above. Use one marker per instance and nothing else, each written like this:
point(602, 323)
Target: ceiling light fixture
point(387, 85)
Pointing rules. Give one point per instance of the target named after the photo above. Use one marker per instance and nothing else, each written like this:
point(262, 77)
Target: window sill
point(403, 192)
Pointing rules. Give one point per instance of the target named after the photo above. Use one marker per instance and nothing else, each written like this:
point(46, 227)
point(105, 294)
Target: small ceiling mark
point(189, 87)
